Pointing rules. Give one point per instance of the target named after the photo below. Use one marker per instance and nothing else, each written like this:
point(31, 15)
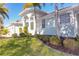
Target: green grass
point(25, 47)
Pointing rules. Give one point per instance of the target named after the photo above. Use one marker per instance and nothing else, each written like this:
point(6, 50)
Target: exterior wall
point(49, 26)
point(74, 23)
point(66, 29)
point(13, 29)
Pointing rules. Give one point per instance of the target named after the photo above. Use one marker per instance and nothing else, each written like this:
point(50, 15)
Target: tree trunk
point(35, 21)
point(57, 21)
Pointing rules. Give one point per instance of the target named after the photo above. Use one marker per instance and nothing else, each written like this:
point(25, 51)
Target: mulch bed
point(63, 49)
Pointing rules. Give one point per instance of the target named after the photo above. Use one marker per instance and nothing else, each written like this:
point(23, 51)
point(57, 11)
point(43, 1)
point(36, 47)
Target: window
point(32, 24)
point(43, 23)
point(65, 18)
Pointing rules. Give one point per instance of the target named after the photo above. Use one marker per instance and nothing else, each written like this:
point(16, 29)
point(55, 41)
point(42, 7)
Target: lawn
point(26, 47)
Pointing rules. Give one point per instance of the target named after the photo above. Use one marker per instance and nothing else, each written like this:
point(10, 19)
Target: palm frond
point(28, 5)
point(4, 13)
point(5, 9)
point(2, 4)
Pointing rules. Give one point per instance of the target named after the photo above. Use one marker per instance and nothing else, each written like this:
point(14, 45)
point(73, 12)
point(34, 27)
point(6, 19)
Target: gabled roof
point(26, 11)
point(63, 10)
point(16, 24)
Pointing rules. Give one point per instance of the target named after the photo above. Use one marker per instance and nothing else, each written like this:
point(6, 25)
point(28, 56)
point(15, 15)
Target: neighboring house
point(45, 22)
point(14, 28)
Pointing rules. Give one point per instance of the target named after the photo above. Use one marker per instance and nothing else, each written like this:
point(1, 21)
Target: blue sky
point(16, 8)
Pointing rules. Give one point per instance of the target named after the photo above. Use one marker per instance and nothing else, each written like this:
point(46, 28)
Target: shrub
point(4, 31)
point(37, 36)
point(54, 40)
point(46, 38)
point(69, 43)
point(22, 35)
point(25, 29)
point(20, 30)
point(14, 35)
point(42, 36)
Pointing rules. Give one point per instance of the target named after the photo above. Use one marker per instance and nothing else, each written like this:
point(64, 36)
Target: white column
point(34, 25)
point(29, 25)
point(23, 21)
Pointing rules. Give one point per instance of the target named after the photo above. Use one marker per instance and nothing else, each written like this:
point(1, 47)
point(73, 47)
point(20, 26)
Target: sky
point(16, 8)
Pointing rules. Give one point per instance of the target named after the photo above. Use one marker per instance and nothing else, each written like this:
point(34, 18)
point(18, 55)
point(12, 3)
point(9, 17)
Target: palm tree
point(34, 5)
point(3, 13)
point(58, 23)
point(56, 20)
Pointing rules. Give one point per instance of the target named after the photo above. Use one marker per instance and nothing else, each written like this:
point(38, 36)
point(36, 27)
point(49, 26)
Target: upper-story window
point(43, 23)
point(65, 18)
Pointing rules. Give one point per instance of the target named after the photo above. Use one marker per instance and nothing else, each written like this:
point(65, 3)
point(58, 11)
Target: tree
point(3, 13)
point(20, 30)
point(4, 31)
point(58, 23)
point(25, 29)
point(56, 20)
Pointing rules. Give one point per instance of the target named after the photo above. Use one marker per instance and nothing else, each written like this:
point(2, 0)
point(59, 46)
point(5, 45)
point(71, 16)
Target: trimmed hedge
point(71, 44)
point(48, 38)
point(54, 40)
point(22, 35)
